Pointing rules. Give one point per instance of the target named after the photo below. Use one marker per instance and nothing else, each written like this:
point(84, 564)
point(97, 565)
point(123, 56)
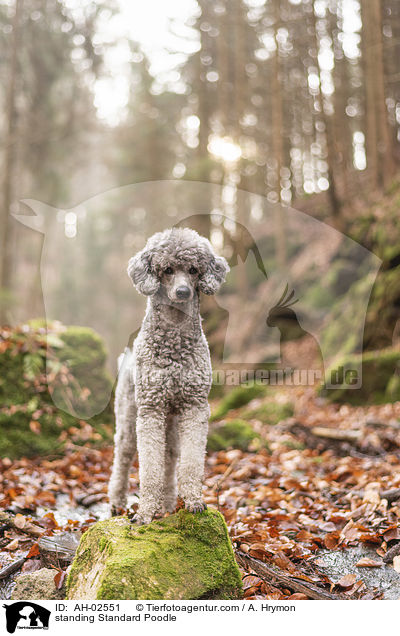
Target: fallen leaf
point(396, 563)
point(33, 552)
point(250, 591)
point(46, 497)
point(366, 562)
point(320, 562)
point(59, 579)
point(34, 425)
point(257, 550)
point(298, 596)
point(251, 581)
point(19, 521)
point(392, 534)
point(13, 545)
point(371, 494)
point(347, 580)
point(331, 540)
point(32, 565)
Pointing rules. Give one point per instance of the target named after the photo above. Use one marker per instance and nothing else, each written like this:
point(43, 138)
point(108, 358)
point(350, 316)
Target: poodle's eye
point(193, 270)
point(168, 270)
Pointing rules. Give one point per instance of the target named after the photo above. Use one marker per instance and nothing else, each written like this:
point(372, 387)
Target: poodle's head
point(177, 263)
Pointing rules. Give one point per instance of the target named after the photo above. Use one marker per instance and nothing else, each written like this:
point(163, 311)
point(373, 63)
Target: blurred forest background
point(296, 103)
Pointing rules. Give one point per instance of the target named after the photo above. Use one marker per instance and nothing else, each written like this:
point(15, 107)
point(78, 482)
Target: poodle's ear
point(212, 279)
point(139, 269)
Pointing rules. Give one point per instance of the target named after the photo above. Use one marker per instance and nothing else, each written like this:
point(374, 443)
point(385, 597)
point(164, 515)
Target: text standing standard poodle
point(162, 391)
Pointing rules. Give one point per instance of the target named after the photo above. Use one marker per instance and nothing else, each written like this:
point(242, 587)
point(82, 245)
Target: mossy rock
point(340, 336)
point(183, 556)
point(84, 353)
point(37, 585)
point(383, 309)
point(380, 378)
point(237, 397)
point(30, 421)
point(232, 434)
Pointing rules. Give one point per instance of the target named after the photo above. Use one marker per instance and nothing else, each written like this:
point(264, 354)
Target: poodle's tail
point(125, 433)
point(125, 359)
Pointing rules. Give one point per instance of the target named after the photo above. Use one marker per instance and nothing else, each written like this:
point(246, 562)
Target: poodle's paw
point(170, 505)
point(198, 506)
point(142, 519)
point(117, 511)
point(137, 520)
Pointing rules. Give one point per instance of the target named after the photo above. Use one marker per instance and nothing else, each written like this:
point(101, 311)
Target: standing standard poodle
point(165, 380)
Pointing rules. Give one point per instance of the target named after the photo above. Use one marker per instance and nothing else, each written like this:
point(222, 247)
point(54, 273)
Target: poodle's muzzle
point(179, 286)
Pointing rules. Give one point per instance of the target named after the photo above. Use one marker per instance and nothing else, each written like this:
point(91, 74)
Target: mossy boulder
point(84, 354)
point(340, 336)
point(183, 556)
point(232, 434)
point(31, 420)
point(380, 378)
point(383, 309)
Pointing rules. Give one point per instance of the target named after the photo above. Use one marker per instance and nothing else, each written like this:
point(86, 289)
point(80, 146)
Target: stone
point(182, 556)
point(37, 585)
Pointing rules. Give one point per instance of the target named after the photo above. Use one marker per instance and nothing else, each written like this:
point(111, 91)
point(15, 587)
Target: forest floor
point(312, 513)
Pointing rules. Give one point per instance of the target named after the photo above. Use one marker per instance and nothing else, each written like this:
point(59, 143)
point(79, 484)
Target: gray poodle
point(165, 380)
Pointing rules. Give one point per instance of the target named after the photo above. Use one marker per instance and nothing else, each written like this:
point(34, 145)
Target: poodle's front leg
point(171, 456)
point(150, 431)
point(193, 428)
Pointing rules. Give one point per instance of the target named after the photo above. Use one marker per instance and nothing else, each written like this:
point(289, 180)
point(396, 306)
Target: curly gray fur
point(165, 380)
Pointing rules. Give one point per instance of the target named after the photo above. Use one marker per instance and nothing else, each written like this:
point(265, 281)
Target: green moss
point(293, 445)
point(340, 335)
point(103, 544)
point(182, 556)
point(383, 309)
point(380, 378)
point(269, 412)
point(232, 434)
point(217, 391)
point(237, 397)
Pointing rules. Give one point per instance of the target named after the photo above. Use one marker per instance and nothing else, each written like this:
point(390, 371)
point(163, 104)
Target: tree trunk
point(9, 159)
point(277, 141)
point(385, 150)
point(380, 160)
point(327, 112)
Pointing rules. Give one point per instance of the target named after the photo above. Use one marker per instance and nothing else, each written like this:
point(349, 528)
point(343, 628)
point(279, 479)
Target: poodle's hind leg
point(124, 440)
point(171, 456)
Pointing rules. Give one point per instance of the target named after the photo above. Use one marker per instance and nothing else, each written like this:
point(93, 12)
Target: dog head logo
point(26, 615)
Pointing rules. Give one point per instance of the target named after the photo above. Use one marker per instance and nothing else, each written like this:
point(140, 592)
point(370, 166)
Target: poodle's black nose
point(183, 292)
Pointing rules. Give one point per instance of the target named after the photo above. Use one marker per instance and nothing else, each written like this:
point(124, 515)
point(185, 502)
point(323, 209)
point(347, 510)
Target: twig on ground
point(217, 485)
point(12, 567)
point(337, 434)
point(272, 575)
